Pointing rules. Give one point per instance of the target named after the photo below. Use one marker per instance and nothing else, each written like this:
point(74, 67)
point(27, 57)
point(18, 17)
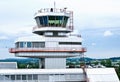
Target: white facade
point(61, 75)
point(42, 75)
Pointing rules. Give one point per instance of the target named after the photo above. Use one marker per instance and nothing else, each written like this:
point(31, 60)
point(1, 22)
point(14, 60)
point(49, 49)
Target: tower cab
point(53, 22)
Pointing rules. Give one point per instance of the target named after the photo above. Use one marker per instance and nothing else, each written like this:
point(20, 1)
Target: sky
point(98, 22)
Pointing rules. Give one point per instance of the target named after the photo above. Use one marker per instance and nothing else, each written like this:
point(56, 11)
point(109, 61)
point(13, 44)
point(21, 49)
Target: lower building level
point(59, 75)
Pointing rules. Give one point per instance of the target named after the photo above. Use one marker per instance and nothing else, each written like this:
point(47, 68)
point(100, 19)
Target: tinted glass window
point(65, 21)
point(55, 20)
point(17, 45)
point(35, 77)
point(45, 19)
point(41, 20)
point(23, 77)
point(7, 77)
point(18, 77)
point(38, 44)
point(70, 43)
point(21, 44)
point(29, 77)
point(13, 77)
point(29, 44)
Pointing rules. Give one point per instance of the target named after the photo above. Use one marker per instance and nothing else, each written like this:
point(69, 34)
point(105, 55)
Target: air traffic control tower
point(53, 42)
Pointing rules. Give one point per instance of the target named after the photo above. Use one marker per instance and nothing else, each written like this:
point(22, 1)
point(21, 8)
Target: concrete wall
point(8, 65)
point(55, 63)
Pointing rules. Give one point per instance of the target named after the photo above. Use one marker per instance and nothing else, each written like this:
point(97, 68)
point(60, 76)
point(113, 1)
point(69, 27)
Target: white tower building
point(51, 44)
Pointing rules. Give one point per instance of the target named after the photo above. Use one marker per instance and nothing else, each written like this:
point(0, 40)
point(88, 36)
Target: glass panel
point(60, 20)
point(12, 77)
point(35, 77)
point(45, 21)
point(18, 77)
point(28, 44)
point(7, 77)
point(55, 20)
point(41, 20)
point(65, 21)
point(35, 45)
point(23, 77)
point(51, 21)
point(29, 77)
point(70, 43)
point(17, 45)
point(38, 44)
point(21, 44)
point(37, 21)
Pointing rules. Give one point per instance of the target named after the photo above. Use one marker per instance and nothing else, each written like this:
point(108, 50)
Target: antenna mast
point(54, 5)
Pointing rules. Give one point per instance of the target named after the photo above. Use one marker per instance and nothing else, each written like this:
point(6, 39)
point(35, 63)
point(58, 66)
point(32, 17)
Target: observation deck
point(47, 52)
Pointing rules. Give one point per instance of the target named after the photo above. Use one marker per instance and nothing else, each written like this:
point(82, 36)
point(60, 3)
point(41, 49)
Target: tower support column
point(53, 63)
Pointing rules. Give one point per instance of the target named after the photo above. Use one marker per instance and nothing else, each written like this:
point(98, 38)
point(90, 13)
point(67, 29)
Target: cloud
point(108, 33)
point(3, 37)
point(15, 30)
point(93, 44)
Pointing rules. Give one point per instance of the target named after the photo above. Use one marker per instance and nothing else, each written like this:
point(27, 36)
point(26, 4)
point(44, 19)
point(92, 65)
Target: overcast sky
point(98, 21)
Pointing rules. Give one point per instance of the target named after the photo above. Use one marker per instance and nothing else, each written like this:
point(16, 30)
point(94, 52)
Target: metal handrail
point(67, 27)
point(55, 10)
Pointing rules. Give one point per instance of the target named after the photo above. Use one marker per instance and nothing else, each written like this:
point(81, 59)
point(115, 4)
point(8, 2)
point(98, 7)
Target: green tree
point(103, 62)
point(20, 65)
point(108, 63)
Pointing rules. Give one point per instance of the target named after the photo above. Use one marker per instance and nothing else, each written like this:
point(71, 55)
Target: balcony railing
point(50, 49)
point(54, 10)
point(69, 28)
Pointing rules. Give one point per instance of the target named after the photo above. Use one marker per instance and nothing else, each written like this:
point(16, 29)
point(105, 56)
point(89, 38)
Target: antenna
point(54, 5)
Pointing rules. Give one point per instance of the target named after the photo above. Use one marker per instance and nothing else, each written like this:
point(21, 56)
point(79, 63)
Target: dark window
point(60, 20)
point(38, 44)
point(41, 20)
point(35, 77)
point(21, 44)
point(70, 43)
point(51, 10)
point(51, 20)
point(23, 77)
point(7, 77)
point(45, 19)
point(28, 44)
point(12, 77)
point(17, 45)
point(29, 77)
point(18, 77)
point(55, 21)
point(65, 21)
